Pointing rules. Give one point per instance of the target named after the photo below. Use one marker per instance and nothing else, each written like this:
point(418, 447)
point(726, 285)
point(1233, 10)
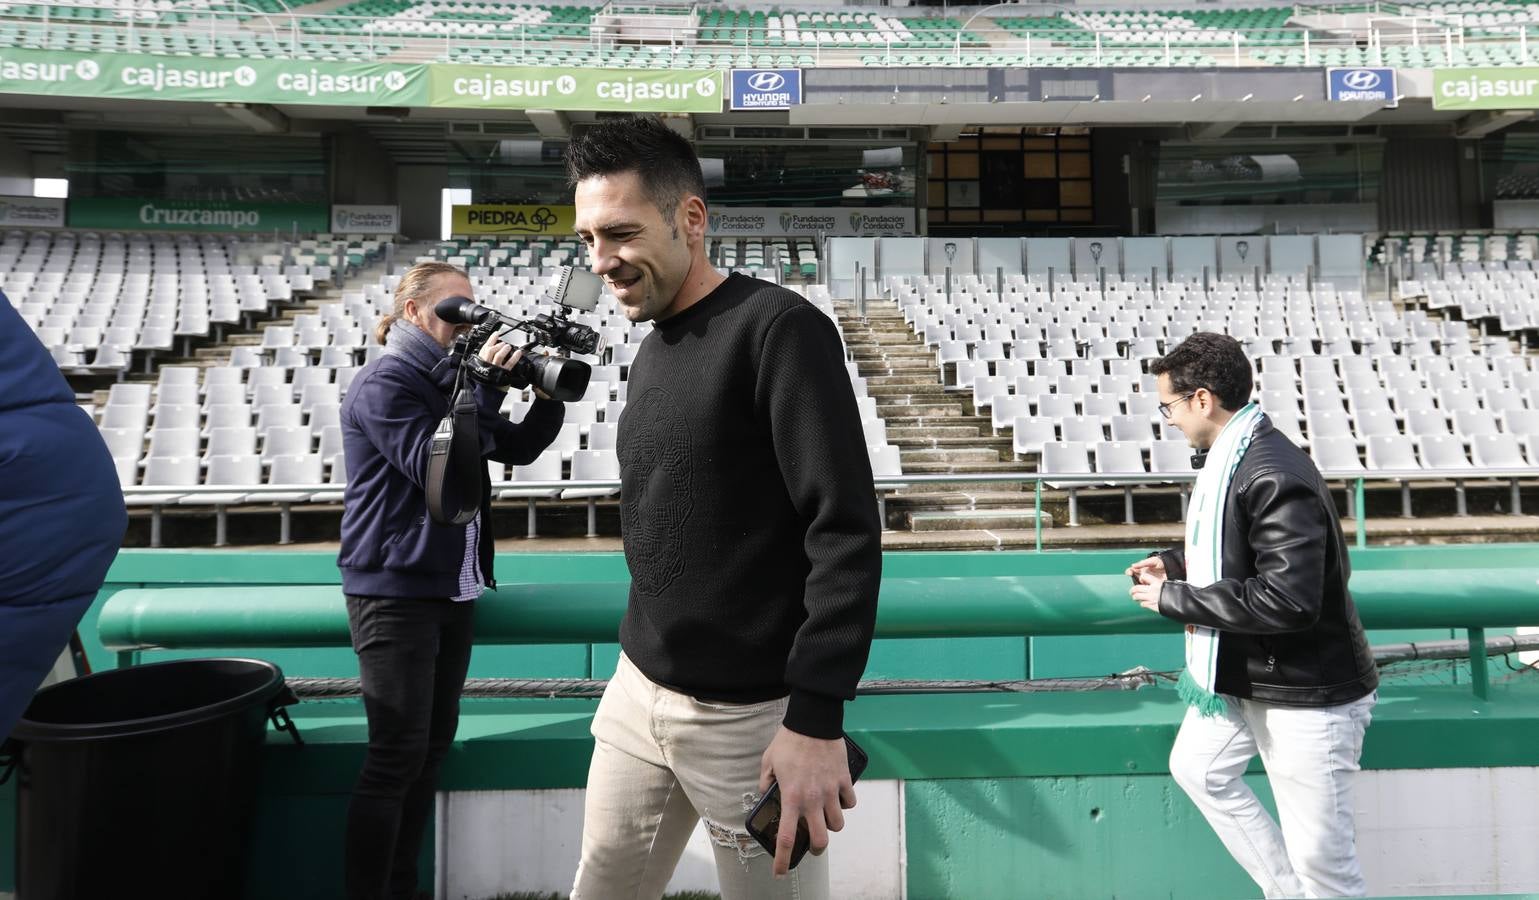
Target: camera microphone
point(463, 311)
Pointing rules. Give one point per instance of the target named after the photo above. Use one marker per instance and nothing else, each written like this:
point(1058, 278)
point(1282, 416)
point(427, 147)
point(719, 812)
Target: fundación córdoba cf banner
point(352, 218)
point(133, 76)
point(838, 221)
point(31, 212)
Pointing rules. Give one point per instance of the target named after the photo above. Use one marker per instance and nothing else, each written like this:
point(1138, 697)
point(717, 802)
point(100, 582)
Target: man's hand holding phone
point(814, 784)
point(1148, 578)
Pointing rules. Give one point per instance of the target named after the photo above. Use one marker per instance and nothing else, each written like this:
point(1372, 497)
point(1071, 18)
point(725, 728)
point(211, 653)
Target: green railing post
point(1362, 517)
point(1038, 506)
point(1480, 675)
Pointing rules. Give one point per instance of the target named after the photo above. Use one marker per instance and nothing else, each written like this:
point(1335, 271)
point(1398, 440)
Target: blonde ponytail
point(414, 285)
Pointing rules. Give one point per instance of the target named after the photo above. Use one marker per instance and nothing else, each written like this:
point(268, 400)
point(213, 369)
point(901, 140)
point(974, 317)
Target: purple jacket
point(390, 548)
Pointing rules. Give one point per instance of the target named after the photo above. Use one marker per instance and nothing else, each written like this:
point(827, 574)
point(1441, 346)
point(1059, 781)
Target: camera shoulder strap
point(456, 444)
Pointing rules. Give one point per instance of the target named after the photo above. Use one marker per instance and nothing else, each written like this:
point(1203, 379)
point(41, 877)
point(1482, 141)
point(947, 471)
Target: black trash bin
point(140, 782)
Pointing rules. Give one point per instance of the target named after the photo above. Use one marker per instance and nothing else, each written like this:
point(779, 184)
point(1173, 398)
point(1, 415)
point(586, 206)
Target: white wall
point(494, 842)
point(1423, 832)
point(1449, 831)
point(1515, 214)
point(1302, 217)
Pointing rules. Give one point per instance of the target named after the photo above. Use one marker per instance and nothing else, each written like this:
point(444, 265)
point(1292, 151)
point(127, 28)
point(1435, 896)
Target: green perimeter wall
point(968, 658)
point(1023, 834)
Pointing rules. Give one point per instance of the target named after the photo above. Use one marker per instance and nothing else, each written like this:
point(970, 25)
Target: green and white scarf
point(1205, 553)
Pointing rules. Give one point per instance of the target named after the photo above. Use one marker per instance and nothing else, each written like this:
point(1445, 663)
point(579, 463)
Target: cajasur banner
point(1515, 87)
point(137, 76)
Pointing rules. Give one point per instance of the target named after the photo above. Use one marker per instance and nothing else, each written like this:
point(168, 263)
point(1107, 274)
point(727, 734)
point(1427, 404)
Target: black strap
point(456, 443)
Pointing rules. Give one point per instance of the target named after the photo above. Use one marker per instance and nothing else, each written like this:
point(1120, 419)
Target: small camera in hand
point(558, 377)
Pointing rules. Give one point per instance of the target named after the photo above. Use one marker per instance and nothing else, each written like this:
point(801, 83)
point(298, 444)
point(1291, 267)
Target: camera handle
point(456, 443)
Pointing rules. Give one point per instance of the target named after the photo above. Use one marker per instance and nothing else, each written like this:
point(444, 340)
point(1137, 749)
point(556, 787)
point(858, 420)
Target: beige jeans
point(661, 762)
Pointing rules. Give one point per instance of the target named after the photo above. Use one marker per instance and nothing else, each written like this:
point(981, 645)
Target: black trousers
point(412, 656)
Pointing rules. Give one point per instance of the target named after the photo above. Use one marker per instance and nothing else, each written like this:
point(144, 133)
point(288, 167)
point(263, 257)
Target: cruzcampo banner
point(517, 221)
point(1504, 88)
point(592, 90)
point(178, 215)
point(133, 76)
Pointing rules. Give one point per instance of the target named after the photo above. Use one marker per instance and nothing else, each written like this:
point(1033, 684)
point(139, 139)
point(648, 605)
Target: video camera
point(558, 377)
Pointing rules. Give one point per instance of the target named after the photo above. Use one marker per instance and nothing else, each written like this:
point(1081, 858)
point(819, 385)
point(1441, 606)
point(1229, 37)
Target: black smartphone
point(764, 819)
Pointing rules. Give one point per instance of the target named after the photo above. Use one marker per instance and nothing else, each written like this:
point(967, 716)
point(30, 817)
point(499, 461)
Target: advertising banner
point(31, 212)
point(766, 88)
point(598, 90)
point(513, 221)
point(838, 221)
point(1494, 88)
point(1373, 85)
point(177, 215)
point(353, 219)
point(132, 76)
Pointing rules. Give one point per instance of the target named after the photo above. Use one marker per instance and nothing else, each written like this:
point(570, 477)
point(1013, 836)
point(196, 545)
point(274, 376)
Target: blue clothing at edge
point(390, 547)
point(62, 517)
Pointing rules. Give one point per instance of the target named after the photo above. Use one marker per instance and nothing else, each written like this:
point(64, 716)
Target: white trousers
point(663, 760)
point(1311, 757)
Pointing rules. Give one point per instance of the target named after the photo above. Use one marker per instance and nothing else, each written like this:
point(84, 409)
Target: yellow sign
point(514, 221)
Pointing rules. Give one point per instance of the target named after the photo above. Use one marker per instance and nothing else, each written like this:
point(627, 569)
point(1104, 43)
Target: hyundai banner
point(766, 88)
point(1362, 85)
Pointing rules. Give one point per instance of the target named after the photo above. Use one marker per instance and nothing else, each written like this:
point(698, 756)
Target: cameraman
point(409, 580)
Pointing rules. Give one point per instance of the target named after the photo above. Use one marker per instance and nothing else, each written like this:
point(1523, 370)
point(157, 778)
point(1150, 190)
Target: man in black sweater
point(752, 536)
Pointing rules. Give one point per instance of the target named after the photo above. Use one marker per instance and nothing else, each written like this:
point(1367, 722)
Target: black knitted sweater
point(749, 518)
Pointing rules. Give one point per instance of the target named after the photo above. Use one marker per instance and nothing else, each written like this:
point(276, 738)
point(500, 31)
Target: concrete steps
point(969, 519)
point(998, 446)
point(936, 431)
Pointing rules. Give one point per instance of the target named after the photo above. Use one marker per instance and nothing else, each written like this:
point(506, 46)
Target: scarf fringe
point(1194, 695)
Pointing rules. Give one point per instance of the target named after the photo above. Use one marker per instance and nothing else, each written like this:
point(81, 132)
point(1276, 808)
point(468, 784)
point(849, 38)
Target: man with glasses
point(1276, 660)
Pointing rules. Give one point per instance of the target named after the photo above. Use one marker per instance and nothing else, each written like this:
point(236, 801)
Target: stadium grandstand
point(1009, 211)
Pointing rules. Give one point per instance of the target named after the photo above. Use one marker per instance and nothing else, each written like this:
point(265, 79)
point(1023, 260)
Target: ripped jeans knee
point(734, 838)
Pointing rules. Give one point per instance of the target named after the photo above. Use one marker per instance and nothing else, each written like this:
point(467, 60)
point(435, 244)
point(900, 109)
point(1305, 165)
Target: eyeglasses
point(1164, 408)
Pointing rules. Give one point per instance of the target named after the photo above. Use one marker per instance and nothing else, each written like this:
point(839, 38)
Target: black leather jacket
point(1290, 631)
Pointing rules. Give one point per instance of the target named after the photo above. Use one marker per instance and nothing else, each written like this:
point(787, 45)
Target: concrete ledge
point(533, 744)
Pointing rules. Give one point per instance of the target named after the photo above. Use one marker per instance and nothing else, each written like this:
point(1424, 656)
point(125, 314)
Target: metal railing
point(1037, 598)
point(375, 37)
point(1041, 482)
